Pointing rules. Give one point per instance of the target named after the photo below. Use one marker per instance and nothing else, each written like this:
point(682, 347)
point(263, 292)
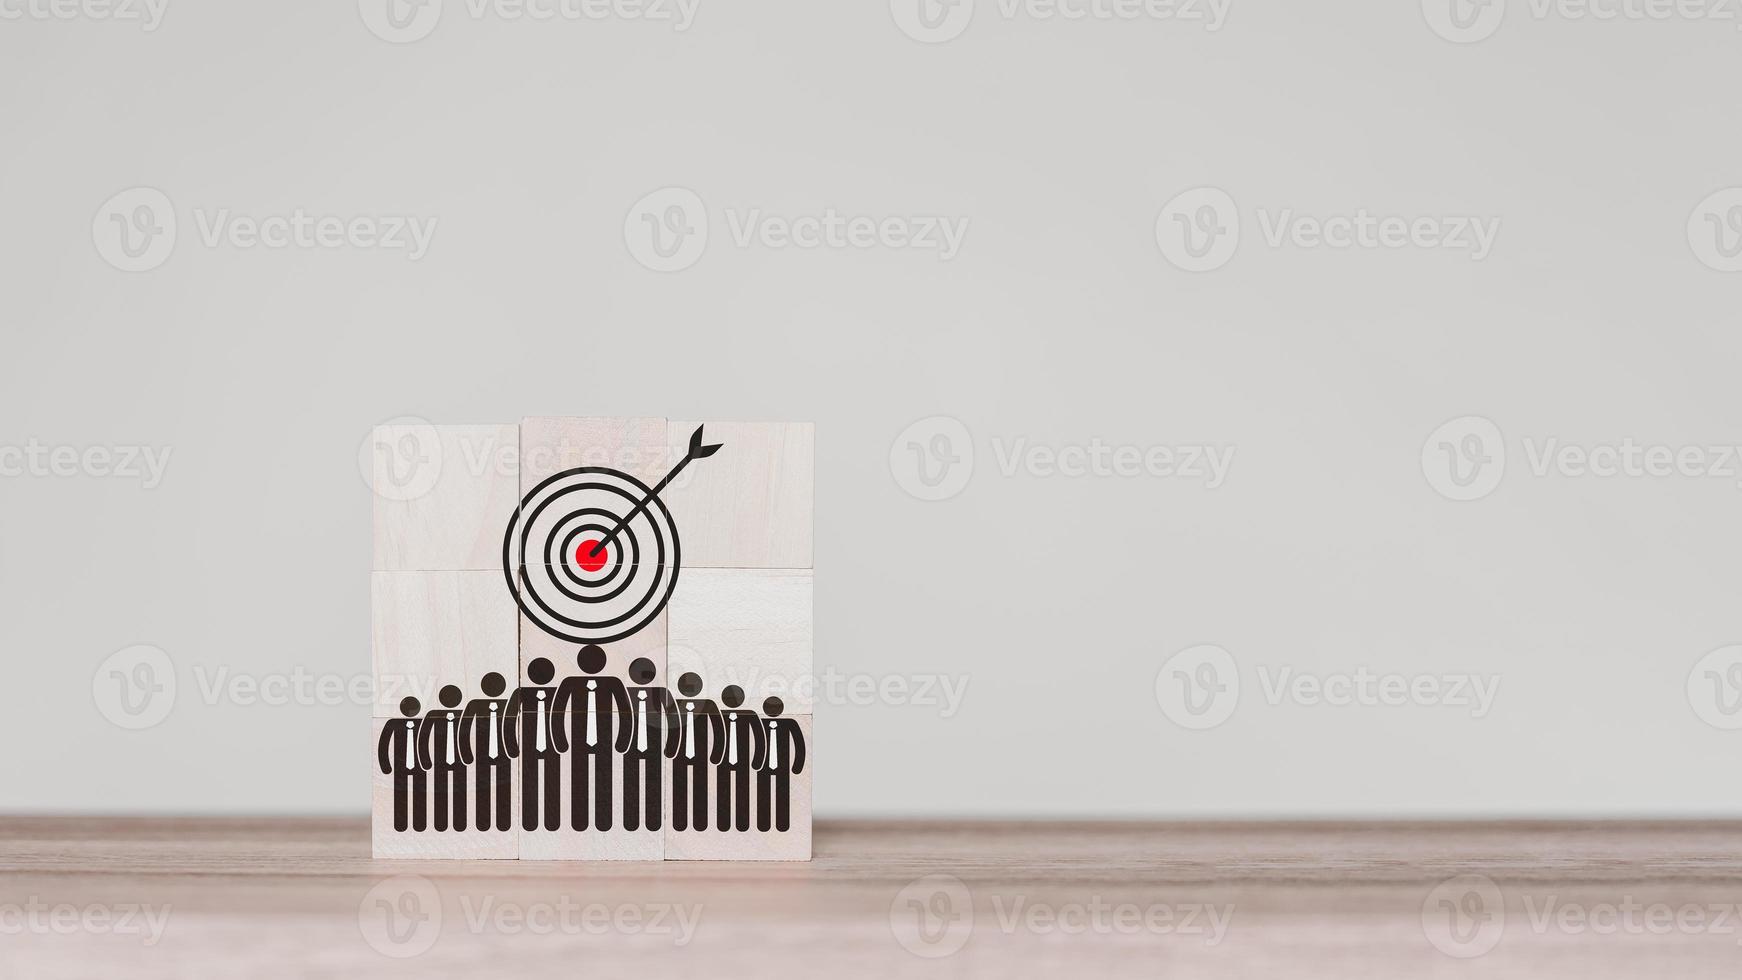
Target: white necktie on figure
point(541, 722)
point(641, 721)
point(689, 730)
point(773, 746)
point(453, 737)
point(731, 739)
point(495, 726)
point(592, 713)
point(411, 745)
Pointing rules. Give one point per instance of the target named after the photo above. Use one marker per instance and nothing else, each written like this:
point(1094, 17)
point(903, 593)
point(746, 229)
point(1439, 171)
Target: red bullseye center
point(588, 561)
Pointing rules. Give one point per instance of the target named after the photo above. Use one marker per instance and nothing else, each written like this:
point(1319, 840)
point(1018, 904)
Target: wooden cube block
point(573, 819)
point(767, 809)
point(744, 627)
point(428, 804)
point(445, 623)
point(750, 504)
point(443, 495)
point(550, 445)
point(431, 629)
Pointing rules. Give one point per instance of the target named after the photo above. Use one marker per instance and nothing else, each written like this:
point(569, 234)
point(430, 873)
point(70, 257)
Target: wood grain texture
point(443, 495)
point(430, 629)
point(751, 504)
point(298, 897)
point(550, 445)
point(714, 844)
point(749, 627)
point(449, 844)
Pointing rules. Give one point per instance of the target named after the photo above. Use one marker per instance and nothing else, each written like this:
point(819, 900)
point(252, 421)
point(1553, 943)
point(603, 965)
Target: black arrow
point(697, 451)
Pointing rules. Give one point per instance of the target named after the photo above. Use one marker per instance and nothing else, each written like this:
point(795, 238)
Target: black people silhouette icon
point(592, 557)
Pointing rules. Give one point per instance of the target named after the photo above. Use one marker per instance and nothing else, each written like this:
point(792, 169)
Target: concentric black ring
point(553, 593)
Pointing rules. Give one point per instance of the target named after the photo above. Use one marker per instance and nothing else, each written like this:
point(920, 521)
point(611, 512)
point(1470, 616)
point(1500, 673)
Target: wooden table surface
point(206, 897)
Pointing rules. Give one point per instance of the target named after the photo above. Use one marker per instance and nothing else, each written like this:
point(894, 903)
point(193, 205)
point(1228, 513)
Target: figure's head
point(773, 707)
point(732, 696)
point(690, 684)
point(591, 659)
point(492, 684)
point(642, 671)
point(450, 696)
point(409, 707)
point(540, 671)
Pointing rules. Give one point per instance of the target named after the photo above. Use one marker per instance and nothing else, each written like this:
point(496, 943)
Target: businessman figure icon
point(483, 746)
point(783, 759)
point(649, 747)
point(397, 754)
point(538, 743)
point(595, 708)
point(438, 751)
point(745, 741)
point(701, 744)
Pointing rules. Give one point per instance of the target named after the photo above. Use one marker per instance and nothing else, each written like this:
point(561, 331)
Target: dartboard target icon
point(592, 554)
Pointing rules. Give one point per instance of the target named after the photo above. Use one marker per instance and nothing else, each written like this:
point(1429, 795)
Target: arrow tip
point(699, 451)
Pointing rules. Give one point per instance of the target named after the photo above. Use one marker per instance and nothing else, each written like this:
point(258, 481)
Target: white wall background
point(1060, 321)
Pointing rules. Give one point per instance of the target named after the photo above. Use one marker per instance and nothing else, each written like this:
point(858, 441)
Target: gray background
point(1060, 322)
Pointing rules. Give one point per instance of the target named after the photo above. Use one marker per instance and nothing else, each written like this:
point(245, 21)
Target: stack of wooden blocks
point(443, 614)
